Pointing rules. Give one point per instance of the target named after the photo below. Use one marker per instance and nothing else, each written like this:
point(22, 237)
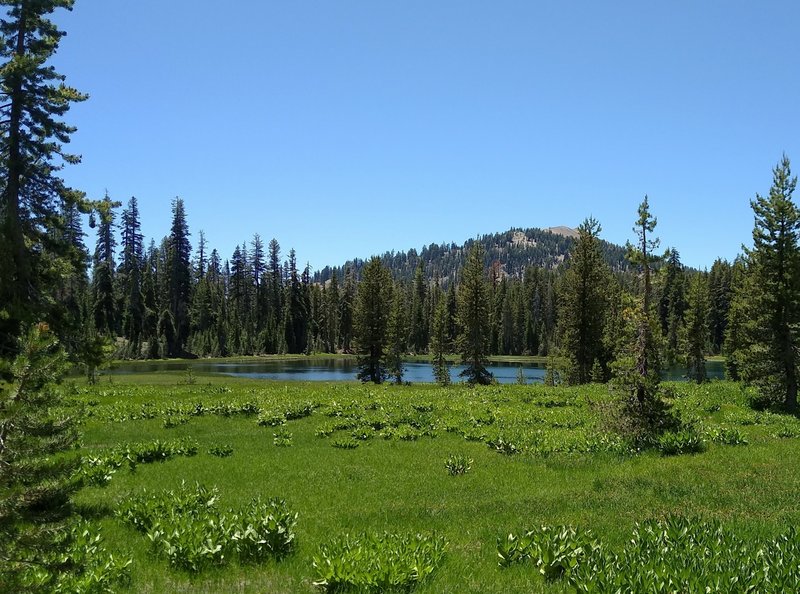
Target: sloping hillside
point(511, 252)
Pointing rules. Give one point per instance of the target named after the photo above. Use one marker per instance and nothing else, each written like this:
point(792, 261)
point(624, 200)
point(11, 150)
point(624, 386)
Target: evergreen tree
point(733, 347)
point(473, 315)
point(419, 325)
point(297, 309)
point(371, 320)
point(719, 289)
point(440, 343)
point(104, 302)
point(38, 477)
point(180, 278)
point(130, 277)
point(672, 305)
point(396, 333)
point(584, 305)
point(332, 304)
point(32, 136)
point(347, 307)
point(772, 342)
point(643, 378)
point(697, 329)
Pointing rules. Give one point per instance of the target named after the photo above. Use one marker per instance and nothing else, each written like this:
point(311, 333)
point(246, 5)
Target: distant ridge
point(512, 251)
point(565, 231)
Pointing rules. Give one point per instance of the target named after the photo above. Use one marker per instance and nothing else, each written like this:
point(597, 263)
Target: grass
point(401, 485)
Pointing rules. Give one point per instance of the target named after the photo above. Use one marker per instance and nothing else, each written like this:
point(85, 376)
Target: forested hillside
point(512, 252)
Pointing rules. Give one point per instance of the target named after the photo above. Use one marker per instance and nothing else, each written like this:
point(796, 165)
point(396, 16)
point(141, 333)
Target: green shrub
point(674, 554)
point(726, 436)
point(345, 443)
point(187, 528)
point(685, 441)
point(377, 562)
point(282, 437)
point(458, 464)
point(221, 451)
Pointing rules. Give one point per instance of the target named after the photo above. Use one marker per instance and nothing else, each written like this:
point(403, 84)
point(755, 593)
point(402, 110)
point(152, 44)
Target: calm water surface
point(338, 370)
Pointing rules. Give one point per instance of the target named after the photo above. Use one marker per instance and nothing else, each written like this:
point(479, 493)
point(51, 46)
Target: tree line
point(169, 300)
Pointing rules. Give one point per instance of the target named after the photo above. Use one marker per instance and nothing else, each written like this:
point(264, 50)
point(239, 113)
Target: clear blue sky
point(348, 128)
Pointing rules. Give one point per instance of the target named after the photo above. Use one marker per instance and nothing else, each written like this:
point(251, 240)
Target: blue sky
point(348, 128)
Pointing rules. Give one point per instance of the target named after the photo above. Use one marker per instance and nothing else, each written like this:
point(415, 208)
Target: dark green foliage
point(35, 243)
point(440, 342)
point(386, 562)
point(769, 297)
point(396, 333)
point(473, 317)
point(643, 379)
point(720, 293)
point(584, 306)
point(697, 329)
point(38, 475)
point(371, 321)
point(179, 279)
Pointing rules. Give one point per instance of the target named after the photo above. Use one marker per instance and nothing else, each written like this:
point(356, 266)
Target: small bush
point(377, 563)
point(345, 443)
point(458, 464)
point(186, 527)
point(282, 438)
point(221, 451)
point(686, 441)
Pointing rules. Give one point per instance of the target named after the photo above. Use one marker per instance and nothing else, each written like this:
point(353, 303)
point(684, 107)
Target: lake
point(338, 370)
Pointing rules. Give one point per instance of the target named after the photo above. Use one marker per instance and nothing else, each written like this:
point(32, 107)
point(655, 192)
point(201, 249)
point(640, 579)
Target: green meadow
point(361, 465)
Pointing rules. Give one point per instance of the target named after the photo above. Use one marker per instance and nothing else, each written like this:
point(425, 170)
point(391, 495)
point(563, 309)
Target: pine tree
point(719, 289)
point(645, 377)
point(37, 478)
point(733, 346)
point(771, 338)
point(419, 325)
point(180, 278)
point(332, 302)
point(130, 275)
point(371, 319)
point(104, 302)
point(584, 305)
point(346, 309)
point(473, 315)
point(697, 329)
point(32, 136)
point(440, 343)
point(396, 336)
point(672, 305)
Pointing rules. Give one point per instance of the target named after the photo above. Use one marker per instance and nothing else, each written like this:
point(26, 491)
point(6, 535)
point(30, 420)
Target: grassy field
point(540, 456)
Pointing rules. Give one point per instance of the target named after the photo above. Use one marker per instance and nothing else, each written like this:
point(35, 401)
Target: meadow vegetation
point(250, 486)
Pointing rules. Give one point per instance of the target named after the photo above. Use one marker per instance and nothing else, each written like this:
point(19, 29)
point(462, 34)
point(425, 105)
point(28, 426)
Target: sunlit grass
point(403, 486)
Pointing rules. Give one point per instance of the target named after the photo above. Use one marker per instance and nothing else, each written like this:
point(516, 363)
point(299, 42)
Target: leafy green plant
point(220, 450)
point(458, 464)
point(377, 562)
point(686, 441)
point(673, 554)
point(186, 527)
point(726, 435)
point(554, 550)
point(282, 437)
point(271, 419)
point(345, 443)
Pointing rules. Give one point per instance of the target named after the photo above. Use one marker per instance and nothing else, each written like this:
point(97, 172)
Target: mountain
point(511, 251)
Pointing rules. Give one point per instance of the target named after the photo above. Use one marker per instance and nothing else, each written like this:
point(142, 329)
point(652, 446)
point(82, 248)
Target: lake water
point(337, 370)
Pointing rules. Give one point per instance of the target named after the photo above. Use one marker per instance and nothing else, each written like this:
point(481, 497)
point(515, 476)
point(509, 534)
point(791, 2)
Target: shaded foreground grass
point(400, 483)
